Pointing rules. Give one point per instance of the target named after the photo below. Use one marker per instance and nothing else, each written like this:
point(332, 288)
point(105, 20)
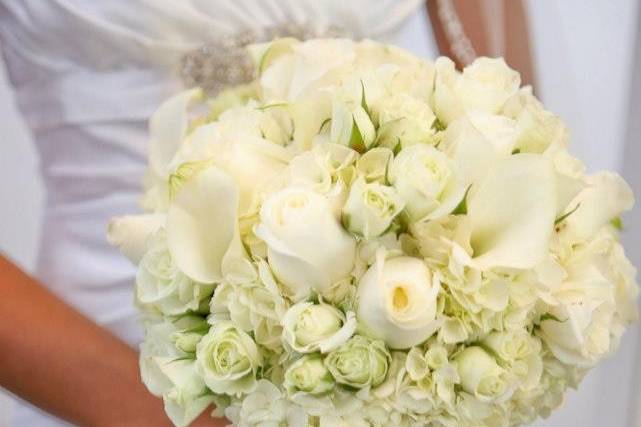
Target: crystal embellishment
point(226, 63)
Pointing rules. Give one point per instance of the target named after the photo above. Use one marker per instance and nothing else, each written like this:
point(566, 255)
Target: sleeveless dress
point(87, 75)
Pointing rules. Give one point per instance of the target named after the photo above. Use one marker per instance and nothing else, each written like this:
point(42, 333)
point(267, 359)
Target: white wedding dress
point(87, 74)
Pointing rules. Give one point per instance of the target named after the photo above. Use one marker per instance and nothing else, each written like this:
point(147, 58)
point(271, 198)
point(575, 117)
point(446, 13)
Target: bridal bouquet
point(360, 237)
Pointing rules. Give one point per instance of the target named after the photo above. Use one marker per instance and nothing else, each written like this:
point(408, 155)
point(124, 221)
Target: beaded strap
point(460, 44)
point(226, 63)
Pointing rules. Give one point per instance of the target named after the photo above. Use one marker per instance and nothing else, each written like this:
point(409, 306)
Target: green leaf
point(325, 123)
point(184, 173)
point(364, 100)
point(438, 125)
point(346, 220)
point(550, 316)
point(564, 216)
point(356, 140)
point(200, 329)
point(516, 151)
point(398, 147)
point(461, 208)
point(617, 223)
point(180, 359)
point(275, 105)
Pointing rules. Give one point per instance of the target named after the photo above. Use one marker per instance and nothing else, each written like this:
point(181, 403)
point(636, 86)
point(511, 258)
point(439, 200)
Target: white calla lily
point(168, 128)
point(202, 225)
point(249, 159)
point(512, 213)
point(470, 150)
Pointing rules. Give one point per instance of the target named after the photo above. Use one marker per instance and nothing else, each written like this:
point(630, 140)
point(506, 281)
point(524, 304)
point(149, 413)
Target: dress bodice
point(88, 74)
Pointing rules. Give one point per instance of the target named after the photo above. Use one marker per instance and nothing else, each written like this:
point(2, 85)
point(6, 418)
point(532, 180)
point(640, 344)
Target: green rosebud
point(309, 375)
point(360, 362)
point(371, 208)
point(309, 327)
point(186, 341)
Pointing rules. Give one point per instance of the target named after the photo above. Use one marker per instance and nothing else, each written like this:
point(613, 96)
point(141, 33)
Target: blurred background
point(588, 71)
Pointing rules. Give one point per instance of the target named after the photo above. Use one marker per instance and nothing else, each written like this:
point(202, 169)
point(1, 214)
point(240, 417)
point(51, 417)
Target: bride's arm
point(60, 361)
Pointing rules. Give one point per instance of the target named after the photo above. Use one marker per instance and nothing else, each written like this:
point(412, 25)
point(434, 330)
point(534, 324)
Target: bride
point(87, 75)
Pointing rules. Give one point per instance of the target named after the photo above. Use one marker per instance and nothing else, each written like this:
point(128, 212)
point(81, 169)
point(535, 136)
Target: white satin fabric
point(87, 74)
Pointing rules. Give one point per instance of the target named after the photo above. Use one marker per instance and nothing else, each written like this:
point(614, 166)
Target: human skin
point(516, 49)
point(57, 359)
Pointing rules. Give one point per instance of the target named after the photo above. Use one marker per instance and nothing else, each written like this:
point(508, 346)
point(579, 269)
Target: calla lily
point(130, 233)
point(512, 213)
point(168, 127)
point(246, 157)
point(202, 225)
point(471, 151)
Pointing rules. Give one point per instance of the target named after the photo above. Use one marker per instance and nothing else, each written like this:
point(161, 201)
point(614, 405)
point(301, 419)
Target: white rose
point(321, 169)
point(537, 129)
point(308, 375)
point(309, 327)
point(481, 376)
point(397, 301)
point(371, 208)
point(307, 247)
point(404, 119)
point(426, 179)
point(228, 360)
point(374, 163)
point(160, 284)
point(360, 362)
point(484, 86)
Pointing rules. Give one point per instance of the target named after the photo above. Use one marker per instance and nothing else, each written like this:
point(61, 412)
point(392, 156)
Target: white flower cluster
point(363, 238)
